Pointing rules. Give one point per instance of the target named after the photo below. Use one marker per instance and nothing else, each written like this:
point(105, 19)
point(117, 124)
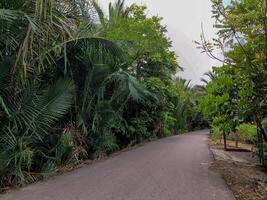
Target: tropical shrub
point(264, 123)
point(28, 117)
point(216, 134)
point(247, 133)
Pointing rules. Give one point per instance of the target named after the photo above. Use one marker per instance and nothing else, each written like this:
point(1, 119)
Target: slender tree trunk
point(260, 145)
point(138, 71)
point(236, 142)
point(265, 33)
point(224, 141)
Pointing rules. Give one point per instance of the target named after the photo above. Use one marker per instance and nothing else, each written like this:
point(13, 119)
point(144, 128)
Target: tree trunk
point(236, 143)
point(265, 33)
point(224, 141)
point(138, 71)
point(260, 145)
point(236, 140)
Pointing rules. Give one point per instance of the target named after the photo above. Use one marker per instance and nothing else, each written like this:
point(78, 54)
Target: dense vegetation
point(236, 96)
point(78, 84)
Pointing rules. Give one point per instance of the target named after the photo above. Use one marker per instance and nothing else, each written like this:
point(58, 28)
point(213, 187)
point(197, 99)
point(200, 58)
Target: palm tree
point(23, 23)
point(210, 77)
point(115, 11)
point(40, 81)
point(27, 114)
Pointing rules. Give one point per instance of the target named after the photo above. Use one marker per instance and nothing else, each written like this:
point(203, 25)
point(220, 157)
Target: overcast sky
point(183, 19)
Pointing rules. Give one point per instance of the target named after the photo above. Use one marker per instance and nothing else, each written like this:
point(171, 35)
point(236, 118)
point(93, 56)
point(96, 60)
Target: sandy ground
point(241, 171)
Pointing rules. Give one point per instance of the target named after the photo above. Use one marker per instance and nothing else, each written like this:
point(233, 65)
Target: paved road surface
point(174, 168)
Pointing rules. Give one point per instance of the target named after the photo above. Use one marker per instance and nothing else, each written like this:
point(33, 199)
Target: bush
point(264, 123)
point(103, 144)
point(216, 134)
point(137, 130)
point(247, 133)
point(166, 124)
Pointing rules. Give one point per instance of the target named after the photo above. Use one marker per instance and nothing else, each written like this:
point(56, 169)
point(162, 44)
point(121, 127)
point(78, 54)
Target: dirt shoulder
point(242, 173)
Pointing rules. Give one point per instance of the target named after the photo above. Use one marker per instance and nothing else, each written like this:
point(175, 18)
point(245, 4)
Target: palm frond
point(127, 87)
point(38, 112)
point(54, 103)
point(100, 13)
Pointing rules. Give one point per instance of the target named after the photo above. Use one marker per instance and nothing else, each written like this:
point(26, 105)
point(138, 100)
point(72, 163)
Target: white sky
point(183, 19)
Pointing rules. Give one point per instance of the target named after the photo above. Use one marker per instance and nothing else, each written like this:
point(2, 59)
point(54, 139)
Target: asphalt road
point(174, 168)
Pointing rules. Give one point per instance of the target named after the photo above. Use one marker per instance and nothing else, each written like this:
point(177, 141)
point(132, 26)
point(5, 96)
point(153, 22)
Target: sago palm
point(27, 115)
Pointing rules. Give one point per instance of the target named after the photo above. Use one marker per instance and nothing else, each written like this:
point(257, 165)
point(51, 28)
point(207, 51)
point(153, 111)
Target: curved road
point(174, 168)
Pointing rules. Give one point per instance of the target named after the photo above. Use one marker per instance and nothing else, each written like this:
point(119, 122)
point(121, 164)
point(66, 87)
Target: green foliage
point(138, 128)
point(144, 41)
point(237, 91)
point(264, 123)
point(177, 106)
point(73, 88)
point(219, 104)
point(167, 122)
point(103, 143)
point(23, 135)
point(216, 134)
point(247, 133)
